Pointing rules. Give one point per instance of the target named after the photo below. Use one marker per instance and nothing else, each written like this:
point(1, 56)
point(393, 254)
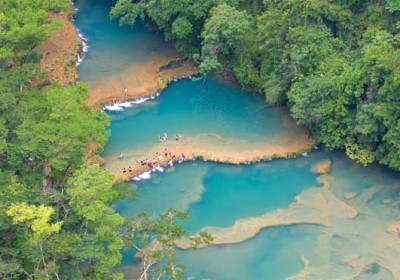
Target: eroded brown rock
point(322, 167)
point(59, 52)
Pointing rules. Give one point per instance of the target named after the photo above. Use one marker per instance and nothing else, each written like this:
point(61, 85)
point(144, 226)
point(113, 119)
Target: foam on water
point(120, 106)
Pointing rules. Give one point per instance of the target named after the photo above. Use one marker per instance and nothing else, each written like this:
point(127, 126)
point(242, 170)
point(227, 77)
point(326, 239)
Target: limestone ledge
point(141, 80)
point(314, 206)
point(191, 152)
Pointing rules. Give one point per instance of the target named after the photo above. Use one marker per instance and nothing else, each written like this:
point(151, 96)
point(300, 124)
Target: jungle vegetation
point(56, 214)
point(335, 64)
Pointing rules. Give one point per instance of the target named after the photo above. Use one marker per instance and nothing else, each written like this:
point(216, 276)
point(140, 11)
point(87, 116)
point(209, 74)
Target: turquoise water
point(273, 254)
point(113, 48)
point(218, 194)
point(321, 227)
point(200, 111)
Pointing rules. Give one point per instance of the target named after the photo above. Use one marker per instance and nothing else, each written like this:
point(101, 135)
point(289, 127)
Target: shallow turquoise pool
point(113, 48)
point(320, 227)
point(218, 195)
point(210, 114)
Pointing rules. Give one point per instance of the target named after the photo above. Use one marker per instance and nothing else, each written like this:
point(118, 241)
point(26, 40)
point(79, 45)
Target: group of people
point(154, 163)
point(163, 138)
point(158, 157)
point(178, 137)
point(172, 157)
point(124, 170)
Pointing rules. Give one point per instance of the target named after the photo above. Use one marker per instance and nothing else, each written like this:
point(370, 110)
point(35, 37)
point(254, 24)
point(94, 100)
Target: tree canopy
point(334, 63)
point(56, 215)
point(56, 219)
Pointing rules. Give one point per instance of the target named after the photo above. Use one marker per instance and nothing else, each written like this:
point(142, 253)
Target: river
point(275, 219)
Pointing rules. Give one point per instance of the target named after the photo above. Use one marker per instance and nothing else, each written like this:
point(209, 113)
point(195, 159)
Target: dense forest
point(55, 211)
point(336, 64)
point(56, 214)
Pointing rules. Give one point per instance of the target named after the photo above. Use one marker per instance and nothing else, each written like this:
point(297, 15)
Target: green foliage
point(222, 34)
point(56, 127)
point(154, 240)
point(392, 5)
point(24, 24)
point(48, 232)
point(180, 20)
point(335, 63)
point(36, 218)
point(91, 192)
point(181, 28)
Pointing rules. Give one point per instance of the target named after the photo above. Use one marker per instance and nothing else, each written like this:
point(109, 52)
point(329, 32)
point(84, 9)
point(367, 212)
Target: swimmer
point(160, 138)
point(170, 163)
point(165, 136)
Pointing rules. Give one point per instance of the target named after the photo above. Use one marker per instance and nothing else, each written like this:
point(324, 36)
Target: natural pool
point(273, 220)
point(292, 222)
point(113, 49)
point(215, 118)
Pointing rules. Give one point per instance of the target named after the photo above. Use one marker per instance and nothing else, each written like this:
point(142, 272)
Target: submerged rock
point(322, 167)
point(387, 201)
point(350, 195)
point(394, 228)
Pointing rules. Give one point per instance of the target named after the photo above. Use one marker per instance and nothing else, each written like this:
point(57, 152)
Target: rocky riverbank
point(140, 80)
point(59, 51)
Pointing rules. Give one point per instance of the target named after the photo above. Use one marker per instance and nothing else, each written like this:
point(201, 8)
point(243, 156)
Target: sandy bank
point(394, 228)
point(211, 147)
point(59, 52)
point(141, 80)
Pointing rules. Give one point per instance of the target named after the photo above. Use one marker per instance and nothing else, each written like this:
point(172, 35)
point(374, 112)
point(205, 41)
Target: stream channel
point(271, 220)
